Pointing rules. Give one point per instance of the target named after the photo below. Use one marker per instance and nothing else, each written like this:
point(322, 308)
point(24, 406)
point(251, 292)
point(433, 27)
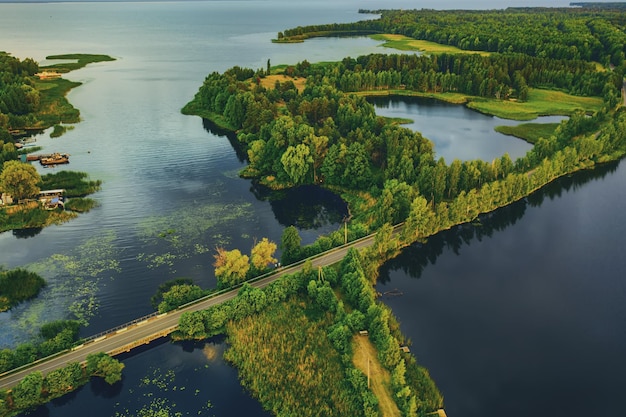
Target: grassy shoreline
point(540, 103)
point(54, 110)
point(405, 43)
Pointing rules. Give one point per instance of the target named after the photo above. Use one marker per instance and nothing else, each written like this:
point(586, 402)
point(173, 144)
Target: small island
point(17, 286)
point(34, 100)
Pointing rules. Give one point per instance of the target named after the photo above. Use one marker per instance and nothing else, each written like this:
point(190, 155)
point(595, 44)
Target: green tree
point(157, 298)
point(297, 162)
point(63, 380)
point(19, 179)
point(27, 393)
point(104, 366)
point(179, 295)
point(262, 254)
point(191, 325)
point(290, 245)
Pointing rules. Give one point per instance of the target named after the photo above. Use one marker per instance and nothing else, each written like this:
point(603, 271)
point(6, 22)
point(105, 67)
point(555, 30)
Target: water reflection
point(456, 131)
point(521, 312)
point(188, 378)
point(414, 259)
point(214, 129)
point(26, 233)
point(306, 207)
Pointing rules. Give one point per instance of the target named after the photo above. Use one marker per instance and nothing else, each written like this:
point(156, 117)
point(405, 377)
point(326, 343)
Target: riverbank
point(32, 214)
point(405, 43)
point(55, 109)
point(540, 103)
point(52, 109)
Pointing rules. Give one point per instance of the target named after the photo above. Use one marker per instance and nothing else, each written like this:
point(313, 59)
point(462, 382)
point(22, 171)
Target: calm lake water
point(523, 313)
point(456, 131)
point(171, 194)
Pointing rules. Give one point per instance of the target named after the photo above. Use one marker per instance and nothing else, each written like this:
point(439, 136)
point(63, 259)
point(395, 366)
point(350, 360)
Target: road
point(114, 341)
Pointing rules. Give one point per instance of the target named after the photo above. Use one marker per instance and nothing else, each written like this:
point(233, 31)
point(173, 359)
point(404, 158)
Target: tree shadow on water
point(26, 233)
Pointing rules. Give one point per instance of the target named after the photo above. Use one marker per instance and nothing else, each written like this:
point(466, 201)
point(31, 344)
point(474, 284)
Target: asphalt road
point(121, 338)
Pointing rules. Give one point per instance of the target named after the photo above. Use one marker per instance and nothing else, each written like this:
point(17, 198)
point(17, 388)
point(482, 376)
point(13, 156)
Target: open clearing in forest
point(269, 81)
point(540, 103)
point(379, 376)
point(404, 43)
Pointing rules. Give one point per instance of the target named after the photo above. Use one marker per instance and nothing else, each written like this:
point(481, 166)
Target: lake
point(457, 131)
point(171, 194)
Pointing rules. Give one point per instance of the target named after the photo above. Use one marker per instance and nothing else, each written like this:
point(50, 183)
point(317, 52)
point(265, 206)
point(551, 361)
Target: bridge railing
point(116, 328)
point(234, 287)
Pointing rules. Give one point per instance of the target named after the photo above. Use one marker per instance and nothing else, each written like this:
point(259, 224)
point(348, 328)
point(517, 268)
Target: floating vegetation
point(156, 261)
point(59, 129)
point(72, 287)
point(152, 386)
point(161, 380)
point(181, 229)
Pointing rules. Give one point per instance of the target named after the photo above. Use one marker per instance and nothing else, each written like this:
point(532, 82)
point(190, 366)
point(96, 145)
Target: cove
point(456, 131)
point(187, 378)
point(521, 313)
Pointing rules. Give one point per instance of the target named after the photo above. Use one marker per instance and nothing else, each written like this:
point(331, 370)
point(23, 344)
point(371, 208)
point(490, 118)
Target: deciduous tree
point(104, 366)
point(231, 267)
point(19, 179)
point(262, 254)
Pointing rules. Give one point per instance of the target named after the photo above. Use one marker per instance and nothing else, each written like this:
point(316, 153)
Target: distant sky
point(413, 3)
point(385, 4)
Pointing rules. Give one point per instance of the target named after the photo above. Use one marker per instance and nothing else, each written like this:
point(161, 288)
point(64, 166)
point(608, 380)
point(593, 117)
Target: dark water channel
point(523, 312)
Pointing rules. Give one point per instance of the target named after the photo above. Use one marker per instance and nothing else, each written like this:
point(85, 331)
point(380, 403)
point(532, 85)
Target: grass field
point(81, 61)
point(530, 132)
point(54, 106)
point(269, 81)
point(540, 103)
point(380, 379)
point(404, 43)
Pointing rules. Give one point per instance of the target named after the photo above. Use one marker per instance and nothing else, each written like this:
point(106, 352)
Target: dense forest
point(19, 99)
point(585, 34)
point(323, 135)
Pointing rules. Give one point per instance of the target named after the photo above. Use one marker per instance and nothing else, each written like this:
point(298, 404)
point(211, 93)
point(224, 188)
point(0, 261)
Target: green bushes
point(18, 285)
point(74, 183)
point(57, 336)
point(36, 389)
point(175, 293)
point(80, 205)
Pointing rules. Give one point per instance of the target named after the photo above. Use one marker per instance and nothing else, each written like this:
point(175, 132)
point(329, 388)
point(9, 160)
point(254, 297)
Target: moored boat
point(54, 159)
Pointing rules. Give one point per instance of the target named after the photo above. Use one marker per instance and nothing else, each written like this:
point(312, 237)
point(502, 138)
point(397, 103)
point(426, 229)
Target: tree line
point(36, 389)
point(18, 96)
point(585, 34)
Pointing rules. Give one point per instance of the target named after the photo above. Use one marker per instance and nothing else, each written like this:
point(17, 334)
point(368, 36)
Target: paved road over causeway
point(143, 331)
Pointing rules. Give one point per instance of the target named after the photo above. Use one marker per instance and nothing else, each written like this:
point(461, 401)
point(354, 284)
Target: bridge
point(144, 330)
